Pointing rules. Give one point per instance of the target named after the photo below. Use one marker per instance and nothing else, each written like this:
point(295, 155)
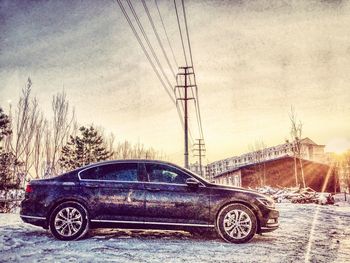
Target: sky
point(253, 60)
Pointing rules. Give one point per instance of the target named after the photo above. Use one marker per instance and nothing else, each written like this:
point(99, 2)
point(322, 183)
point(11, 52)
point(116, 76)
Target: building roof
point(266, 161)
point(306, 141)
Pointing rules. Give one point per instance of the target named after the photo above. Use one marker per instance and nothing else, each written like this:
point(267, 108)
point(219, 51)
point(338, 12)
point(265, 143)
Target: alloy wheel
point(237, 224)
point(68, 221)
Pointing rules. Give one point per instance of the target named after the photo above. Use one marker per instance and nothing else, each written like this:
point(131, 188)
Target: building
point(309, 150)
point(342, 162)
point(280, 172)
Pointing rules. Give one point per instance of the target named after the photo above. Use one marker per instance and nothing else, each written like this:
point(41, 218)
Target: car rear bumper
point(30, 216)
point(34, 220)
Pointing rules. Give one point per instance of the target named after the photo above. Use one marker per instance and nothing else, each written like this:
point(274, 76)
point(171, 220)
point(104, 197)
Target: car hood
point(236, 189)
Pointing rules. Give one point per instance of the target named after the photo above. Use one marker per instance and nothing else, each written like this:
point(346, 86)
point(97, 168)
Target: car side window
point(126, 172)
point(165, 174)
point(112, 172)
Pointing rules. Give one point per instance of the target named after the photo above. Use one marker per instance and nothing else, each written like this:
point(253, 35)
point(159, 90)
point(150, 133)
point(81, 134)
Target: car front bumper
point(270, 221)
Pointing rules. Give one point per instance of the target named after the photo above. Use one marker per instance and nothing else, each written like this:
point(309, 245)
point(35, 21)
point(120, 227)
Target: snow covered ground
point(308, 233)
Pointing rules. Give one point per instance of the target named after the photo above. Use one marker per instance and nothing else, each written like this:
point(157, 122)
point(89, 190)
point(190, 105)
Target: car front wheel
point(236, 223)
point(69, 221)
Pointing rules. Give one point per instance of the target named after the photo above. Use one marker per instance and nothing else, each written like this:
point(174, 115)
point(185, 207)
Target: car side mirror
point(192, 182)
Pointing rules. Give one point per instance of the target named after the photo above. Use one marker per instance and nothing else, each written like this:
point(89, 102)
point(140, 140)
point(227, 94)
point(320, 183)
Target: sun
point(338, 145)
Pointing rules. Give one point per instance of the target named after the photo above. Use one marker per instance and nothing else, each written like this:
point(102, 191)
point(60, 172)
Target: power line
point(188, 37)
point(180, 84)
point(148, 55)
point(185, 100)
point(200, 153)
point(166, 57)
point(184, 50)
point(198, 112)
point(157, 36)
point(160, 68)
point(144, 49)
point(166, 34)
point(196, 104)
point(152, 51)
point(148, 42)
point(180, 31)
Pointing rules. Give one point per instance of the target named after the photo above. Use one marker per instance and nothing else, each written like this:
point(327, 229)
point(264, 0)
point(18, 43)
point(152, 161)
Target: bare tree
point(124, 150)
point(29, 135)
point(138, 151)
point(21, 123)
point(296, 133)
point(110, 145)
point(26, 119)
point(62, 126)
point(37, 142)
point(39, 139)
point(127, 150)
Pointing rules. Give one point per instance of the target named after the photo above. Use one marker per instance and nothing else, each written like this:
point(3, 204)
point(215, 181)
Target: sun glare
point(338, 145)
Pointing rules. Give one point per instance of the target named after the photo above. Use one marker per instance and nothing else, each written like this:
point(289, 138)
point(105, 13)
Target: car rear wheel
point(69, 221)
point(236, 223)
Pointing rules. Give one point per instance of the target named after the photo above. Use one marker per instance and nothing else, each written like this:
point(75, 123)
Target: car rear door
point(169, 200)
point(116, 192)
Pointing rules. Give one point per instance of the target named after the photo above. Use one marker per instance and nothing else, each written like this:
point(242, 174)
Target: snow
point(307, 233)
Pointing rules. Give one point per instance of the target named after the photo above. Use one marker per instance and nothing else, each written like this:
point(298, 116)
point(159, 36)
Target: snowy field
point(308, 233)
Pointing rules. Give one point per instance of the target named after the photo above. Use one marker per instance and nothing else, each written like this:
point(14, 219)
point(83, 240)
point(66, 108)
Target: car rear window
point(112, 172)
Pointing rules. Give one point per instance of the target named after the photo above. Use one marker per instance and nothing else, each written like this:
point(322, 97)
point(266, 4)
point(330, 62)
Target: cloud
point(253, 59)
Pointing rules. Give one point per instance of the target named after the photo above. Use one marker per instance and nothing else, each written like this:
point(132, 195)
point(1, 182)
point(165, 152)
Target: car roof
point(130, 161)
point(140, 161)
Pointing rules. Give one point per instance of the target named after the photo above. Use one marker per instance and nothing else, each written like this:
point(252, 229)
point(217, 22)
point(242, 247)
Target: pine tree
point(7, 159)
point(5, 127)
point(86, 148)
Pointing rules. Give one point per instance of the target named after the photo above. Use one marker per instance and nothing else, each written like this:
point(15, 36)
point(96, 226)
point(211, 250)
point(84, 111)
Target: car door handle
point(152, 189)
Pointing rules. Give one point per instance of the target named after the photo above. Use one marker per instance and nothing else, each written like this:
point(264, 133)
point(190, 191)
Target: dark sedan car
point(148, 195)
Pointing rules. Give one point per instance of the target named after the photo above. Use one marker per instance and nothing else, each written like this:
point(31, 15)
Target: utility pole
point(200, 152)
point(183, 79)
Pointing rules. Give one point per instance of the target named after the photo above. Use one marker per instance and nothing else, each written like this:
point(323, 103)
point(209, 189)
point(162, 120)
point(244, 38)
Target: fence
point(10, 200)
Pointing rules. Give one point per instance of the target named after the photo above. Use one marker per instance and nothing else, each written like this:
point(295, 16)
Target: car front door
point(169, 200)
point(116, 192)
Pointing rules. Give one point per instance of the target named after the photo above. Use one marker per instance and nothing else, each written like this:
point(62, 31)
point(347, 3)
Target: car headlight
point(267, 201)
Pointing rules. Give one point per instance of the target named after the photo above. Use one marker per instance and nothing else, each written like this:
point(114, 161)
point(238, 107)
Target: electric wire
point(188, 37)
point(166, 34)
point(179, 83)
point(157, 36)
point(196, 105)
point(148, 42)
point(154, 54)
point(180, 31)
point(198, 112)
point(152, 51)
point(144, 49)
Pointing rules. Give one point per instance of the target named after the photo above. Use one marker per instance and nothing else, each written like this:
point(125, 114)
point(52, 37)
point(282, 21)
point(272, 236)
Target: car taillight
point(29, 188)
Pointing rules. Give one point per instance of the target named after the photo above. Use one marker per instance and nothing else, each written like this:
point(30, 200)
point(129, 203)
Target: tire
point(236, 223)
point(69, 221)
